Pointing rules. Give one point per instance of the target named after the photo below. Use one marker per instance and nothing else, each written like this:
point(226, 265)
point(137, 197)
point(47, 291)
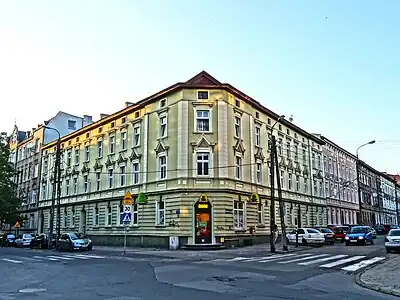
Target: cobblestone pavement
point(383, 278)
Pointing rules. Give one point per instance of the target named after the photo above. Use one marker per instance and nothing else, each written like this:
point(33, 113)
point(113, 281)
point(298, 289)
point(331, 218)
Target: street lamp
point(358, 178)
point(272, 181)
point(56, 188)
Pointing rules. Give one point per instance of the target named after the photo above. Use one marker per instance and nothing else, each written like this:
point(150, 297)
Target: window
point(99, 149)
point(260, 218)
point(163, 102)
point(288, 153)
point(109, 215)
point(259, 173)
point(304, 156)
point(203, 164)
point(67, 186)
point(202, 120)
point(65, 218)
point(135, 215)
point(71, 125)
point(33, 198)
point(238, 127)
point(111, 141)
point(162, 165)
point(297, 183)
point(282, 179)
point(96, 217)
point(289, 181)
point(136, 173)
point(238, 214)
point(258, 136)
point(160, 211)
point(110, 178)
point(321, 189)
point(280, 142)
point(123, 140)
point(163, 126)
point(75, 185)
point(87, 153)
point(85, 184)
point(238, 163)
point(98, 181)
point(68, 159)
point(136, 136)
point(72, 217)
point(315, 187)
point(202, 95)
point(122, 175)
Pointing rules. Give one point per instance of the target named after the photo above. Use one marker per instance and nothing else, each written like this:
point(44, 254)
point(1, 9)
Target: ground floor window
point(238, 214)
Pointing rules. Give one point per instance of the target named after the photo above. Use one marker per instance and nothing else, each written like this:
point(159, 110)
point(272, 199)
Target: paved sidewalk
point(382, 278)
point(256, 250)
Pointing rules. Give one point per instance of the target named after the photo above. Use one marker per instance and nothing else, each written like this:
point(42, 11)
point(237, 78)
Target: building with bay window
point(199, 151)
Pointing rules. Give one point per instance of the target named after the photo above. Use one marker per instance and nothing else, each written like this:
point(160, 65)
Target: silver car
point(23, 240)
point(74, 241)
point(392, 240)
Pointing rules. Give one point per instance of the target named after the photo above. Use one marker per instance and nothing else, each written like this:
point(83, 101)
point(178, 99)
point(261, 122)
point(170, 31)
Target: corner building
point(198, 150)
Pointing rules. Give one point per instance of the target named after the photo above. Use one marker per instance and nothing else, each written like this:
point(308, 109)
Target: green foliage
point(9, 202)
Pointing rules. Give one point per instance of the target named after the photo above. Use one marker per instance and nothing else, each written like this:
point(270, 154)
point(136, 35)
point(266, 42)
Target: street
point(314, 273)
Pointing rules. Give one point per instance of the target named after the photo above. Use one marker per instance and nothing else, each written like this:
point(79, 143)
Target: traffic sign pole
point(141, 230)
point(125, 239)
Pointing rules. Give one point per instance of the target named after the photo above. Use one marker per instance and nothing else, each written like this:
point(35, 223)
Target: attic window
point(303, 140)
point(237, 102)
point(163, 102)
point(123, 120)
point(100, 129)
point(257, 115)
point(287, 131)
point(87, 135)
point(295, 135)
point(269, 121)
point(137, 114)
point(77, 139)
point(202, 95)
point(280, 127)
point(69, 143)
point(112, 125)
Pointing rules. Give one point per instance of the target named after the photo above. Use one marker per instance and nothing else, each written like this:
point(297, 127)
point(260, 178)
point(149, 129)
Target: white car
point(23, 240)
point(392, 240)
point(306, 236)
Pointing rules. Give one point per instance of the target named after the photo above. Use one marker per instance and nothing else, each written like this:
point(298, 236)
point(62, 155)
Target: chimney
point(87, 120)
point(102, 116)
point(128, 103)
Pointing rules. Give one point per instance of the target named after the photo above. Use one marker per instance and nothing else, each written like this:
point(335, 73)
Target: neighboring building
point(340, 184)
point(388, 196)
point(198, 150)
point(26, 157)
point(369, 182)
point(396, 178)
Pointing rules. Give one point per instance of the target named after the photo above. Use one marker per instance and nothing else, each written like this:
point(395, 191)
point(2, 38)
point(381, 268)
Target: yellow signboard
point(17, 225)
point(128, 199)
point(203, 198)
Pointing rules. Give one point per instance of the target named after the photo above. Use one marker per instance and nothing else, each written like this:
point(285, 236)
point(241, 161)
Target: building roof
point(202, 80)
point(328, 141)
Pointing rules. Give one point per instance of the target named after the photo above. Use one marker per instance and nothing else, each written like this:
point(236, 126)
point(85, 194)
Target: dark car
point(41, 241)
point(8, 240)
point(328, 234)
point(74, 241)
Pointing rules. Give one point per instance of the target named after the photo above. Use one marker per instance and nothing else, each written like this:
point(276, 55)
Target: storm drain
point(32, 290)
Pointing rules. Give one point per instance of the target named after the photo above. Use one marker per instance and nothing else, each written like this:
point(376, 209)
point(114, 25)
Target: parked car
point(328, 234)
point(392, 241)
point(8, 240)
point(339, 233)
point(382, 229)
point(359, 235)
point(74, 241)
point(41, 241)
point(23, 240)
point(306, 236)
point(373, 232)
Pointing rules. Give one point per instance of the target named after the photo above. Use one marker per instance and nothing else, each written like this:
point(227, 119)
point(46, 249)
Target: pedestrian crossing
point(50, 258)
point(324, 261)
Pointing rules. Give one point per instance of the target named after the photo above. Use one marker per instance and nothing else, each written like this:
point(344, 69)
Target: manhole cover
point(32, 290)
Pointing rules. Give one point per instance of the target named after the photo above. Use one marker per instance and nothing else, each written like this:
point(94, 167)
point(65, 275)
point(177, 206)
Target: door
point(41, 223)
point(203, 223)
point(82, 221)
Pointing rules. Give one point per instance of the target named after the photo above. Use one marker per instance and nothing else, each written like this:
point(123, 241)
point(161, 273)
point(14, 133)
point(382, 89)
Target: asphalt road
point(103, 274)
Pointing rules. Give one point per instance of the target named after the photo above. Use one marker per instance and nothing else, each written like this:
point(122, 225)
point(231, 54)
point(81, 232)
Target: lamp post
point(358, 179)
point(273, 155)
point(56, 191)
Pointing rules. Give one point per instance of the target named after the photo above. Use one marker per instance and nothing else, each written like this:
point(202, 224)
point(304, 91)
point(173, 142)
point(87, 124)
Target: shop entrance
point(203, 221)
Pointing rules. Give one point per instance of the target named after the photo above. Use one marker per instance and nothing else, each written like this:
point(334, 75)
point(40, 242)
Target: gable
point(239, 147)
point(203, 78)
point(160, 148)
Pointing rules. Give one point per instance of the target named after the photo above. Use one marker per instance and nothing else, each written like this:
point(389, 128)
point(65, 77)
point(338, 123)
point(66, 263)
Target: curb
point(375, 287)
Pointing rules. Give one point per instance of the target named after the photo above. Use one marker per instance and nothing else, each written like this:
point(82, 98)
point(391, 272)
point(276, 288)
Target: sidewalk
point(382, 278)
point(256, 250)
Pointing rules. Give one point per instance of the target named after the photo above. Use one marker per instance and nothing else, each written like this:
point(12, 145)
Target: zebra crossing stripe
point(301, 259)
point(342, 261)
point(238, 258)
point(276, 257)
point(74, 256)
point(362, 264)
point(60, 257)
point(12, 260)
point(31, 259)
point(48, 258)
point(254, 259)
point(90, 256)
point(321, 260)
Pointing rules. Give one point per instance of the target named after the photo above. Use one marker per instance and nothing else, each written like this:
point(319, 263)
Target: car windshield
point(77, 236)
point(10, 236)
point(310, 230)
point(27, 236)
point(359, 230)
point(394, 233)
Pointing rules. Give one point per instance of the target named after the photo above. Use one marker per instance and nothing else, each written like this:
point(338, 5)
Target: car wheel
point(387, 250)
point(304, 242)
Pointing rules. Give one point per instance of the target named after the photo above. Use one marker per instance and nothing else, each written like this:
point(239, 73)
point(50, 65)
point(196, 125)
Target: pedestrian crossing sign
point(126, 217)
point(17, 225)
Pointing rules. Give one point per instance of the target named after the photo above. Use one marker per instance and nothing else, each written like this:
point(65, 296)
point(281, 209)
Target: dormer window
point(202, 95)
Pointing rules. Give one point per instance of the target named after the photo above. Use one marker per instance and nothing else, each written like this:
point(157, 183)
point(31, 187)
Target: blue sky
point(333, 65)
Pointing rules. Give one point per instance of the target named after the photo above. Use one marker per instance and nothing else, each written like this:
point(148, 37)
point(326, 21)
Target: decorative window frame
point(124, 142)
point(238, 155)
point(163, 114)
point(210, 153)
point(158, 210)
point(237, 210)
point(96, 216)
point(133, 162)
point(159, 155)
point(202, 99)
point(100, 141)
point(111, 136)
point(109, 214)
point(260, 163)
point(136, 126)
point(203, 107)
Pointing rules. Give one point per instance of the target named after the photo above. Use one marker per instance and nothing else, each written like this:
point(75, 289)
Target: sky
point(333, 65)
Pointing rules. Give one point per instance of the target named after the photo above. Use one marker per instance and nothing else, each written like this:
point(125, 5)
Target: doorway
point(202, 223)
point(82, 221)
point(41, 228)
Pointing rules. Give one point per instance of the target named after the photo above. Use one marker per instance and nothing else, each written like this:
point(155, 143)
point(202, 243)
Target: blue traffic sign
point(126, 217)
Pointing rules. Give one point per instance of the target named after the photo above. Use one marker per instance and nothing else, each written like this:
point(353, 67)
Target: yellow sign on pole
point(17, 225)
point(128, 199)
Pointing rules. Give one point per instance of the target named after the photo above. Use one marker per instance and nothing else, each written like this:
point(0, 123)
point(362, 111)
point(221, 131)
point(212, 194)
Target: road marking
point(254, 258)
point(362, 264)
point(276, 257)
point(12, 260)
point(60, 257)
point(74, 256)
point(300, 259)
point(342, 262)
point(90, 256)
point(30, 258)
point(237, 258)
point(48, 258)
point(321, 260)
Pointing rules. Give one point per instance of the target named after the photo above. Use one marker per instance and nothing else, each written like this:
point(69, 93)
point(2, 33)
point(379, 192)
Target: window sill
point(202, 132)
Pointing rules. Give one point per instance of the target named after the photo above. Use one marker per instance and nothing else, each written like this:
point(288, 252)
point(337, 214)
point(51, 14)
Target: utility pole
point(58, 164)
point(53, 203)
point(280, 200)
point(272, 206)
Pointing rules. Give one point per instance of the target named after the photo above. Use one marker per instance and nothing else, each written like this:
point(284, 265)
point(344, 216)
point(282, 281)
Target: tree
point(9, 202)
